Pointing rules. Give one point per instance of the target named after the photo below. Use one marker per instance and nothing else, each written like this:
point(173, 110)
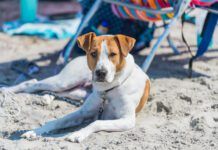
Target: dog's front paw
point(76, 137)
point(30, 135)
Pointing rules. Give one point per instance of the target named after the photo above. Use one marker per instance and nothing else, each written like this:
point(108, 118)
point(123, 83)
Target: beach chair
point(210, 24)
point(177, 9)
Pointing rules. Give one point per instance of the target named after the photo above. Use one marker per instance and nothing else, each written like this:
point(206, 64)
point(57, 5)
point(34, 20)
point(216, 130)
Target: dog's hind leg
point(50, 84)
point(74, 74)
point(20, 87)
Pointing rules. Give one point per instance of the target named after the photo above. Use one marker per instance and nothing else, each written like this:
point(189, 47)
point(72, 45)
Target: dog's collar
point(108, 90)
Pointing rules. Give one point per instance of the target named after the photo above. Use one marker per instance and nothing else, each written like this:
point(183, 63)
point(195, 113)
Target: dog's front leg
point(70, 119)
point(88, 110)
point(122, 124)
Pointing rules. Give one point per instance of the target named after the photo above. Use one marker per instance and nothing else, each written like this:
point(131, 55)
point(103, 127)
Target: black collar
point(108, 90)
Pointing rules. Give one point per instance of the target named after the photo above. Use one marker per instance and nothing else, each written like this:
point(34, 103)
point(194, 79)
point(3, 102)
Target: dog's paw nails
point(30, 135)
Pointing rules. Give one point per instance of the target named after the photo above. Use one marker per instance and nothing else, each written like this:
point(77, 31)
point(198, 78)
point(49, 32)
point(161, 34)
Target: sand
point(182, 112)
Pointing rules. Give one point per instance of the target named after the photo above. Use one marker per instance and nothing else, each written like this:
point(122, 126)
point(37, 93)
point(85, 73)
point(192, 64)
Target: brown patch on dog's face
point(125, 43)
point(114, 53)
point(117, 47)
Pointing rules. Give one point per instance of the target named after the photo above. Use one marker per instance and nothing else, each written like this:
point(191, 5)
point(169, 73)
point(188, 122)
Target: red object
point(201, 3)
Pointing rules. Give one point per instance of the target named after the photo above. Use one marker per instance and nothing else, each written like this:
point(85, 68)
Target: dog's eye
point(93, 54)
point(112, 54)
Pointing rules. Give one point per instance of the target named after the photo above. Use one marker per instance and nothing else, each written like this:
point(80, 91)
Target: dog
point(119, 87)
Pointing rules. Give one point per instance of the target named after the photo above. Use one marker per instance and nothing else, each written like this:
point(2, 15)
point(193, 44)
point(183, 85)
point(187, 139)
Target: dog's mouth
point(100, 80)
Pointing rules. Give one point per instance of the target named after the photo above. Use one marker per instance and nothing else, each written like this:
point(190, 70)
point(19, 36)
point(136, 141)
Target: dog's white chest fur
point(125, 95)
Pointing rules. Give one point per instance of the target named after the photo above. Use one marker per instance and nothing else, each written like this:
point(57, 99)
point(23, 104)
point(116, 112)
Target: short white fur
point(105, 62)
point(119, 110)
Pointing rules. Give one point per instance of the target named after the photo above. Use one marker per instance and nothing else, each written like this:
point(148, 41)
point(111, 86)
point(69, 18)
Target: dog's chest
point(112, 108)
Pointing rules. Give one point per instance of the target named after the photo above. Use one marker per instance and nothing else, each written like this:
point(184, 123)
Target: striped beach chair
point(144, 10)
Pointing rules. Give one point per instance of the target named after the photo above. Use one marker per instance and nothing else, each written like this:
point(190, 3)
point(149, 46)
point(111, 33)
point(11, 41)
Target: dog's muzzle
point(101, 75)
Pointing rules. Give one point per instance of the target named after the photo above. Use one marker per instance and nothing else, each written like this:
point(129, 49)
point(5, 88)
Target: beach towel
point(44, 28)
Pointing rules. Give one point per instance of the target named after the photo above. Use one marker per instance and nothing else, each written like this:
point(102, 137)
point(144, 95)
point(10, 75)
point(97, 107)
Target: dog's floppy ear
point(126, 43)
point(85, 41)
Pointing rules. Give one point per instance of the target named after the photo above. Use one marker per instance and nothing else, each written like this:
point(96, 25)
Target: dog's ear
point(85, 41)
point(125, 43)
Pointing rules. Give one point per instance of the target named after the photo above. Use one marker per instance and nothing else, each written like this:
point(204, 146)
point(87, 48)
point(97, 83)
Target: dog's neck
point(119, 78)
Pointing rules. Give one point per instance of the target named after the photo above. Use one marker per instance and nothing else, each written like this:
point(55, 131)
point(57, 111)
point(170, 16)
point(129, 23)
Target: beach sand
point(182, 112)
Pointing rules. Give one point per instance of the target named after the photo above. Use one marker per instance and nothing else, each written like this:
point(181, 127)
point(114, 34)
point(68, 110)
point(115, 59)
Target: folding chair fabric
point(124, 12)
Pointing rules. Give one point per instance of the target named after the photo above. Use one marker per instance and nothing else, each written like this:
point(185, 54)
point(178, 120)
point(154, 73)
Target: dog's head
point(105, 54)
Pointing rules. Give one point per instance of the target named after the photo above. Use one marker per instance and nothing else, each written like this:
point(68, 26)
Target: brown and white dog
point(120, 87)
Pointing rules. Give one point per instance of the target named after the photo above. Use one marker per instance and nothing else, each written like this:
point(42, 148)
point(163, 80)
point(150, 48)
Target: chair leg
point(68, 48)
point(150, 57)
point(183, 4)
point(171, 44)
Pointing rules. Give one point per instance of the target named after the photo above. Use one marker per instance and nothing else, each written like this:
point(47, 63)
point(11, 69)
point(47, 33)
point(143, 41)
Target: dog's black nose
point(101, 74)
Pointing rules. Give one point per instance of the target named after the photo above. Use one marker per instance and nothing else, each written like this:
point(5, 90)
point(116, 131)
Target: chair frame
point(178, 10)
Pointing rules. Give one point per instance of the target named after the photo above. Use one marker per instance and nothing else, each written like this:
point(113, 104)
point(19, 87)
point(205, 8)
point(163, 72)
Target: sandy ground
point(182, 112)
